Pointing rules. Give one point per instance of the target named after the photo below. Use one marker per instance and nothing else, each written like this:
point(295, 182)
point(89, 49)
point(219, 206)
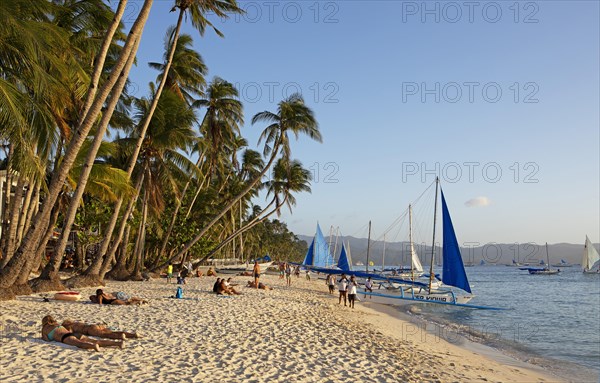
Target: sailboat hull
point(409, 295)
point(241, 267)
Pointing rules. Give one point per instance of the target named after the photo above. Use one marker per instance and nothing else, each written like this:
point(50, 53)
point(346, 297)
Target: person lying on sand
point(97, 330)
point(246, 274)
point(103, 298)
point(53, 332)
point(260, 285)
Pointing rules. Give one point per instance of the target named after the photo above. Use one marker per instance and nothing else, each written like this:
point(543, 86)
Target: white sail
point(591, 258)
point(416, 263)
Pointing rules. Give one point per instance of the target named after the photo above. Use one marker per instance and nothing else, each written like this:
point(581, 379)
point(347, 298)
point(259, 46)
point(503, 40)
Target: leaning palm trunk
point(24, 212)
point(101, 58)
point(51, 269)
point(115, 244)
point(258, 219)
point(33, 207)
point(177, 207)
point(216, 219)
point(139, 262)
point(13, 214)
point(26, 252)
point(138, 145)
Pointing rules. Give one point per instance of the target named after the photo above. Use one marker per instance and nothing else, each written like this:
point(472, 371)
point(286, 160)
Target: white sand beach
point(295, 334)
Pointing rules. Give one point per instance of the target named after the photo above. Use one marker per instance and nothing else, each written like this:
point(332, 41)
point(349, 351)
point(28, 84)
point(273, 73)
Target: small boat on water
point(562, 263)
point(590, 262)
point(545, 270)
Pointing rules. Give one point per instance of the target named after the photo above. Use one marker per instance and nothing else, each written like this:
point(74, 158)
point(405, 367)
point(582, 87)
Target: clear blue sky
point(399, 87)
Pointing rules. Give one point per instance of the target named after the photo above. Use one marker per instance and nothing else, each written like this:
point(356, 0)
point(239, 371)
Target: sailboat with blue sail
point(318, 254)
point(454, 289)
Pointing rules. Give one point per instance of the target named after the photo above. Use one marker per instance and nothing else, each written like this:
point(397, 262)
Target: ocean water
point(551, 320)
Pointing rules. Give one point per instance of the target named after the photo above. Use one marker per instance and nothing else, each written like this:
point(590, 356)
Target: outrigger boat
point(455, 290)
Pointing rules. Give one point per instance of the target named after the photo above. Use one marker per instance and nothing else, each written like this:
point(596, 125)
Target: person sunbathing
point(97, 330)
point(261, 285)
point(53, 332)
point(103, 298)
point(211, 272)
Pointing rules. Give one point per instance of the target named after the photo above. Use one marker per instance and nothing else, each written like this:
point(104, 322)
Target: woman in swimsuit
point(53, 332)
point(108, 299)
point(97, 330)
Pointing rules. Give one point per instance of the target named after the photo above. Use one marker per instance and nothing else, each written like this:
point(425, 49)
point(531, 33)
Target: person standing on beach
point(256, 273)
point(169, 272)
point(331, 283)
point(343, 288)
point(368, 287)
point(288, 274)
point(352, 292)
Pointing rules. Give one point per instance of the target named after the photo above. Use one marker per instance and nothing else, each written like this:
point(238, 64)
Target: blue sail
point(318, 253)
point(453, 272)
point(343, 263)
point(308, 259)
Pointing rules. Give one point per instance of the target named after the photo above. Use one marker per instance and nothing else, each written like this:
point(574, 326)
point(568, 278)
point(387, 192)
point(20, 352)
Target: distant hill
point(396, 253)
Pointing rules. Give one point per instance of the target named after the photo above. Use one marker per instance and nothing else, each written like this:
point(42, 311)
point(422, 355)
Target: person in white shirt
point(352, 292)
point(368, 286)
point(343, 288)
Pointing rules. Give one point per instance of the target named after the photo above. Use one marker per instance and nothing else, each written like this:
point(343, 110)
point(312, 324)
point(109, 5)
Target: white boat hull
point(241, 267)
point(408, 296)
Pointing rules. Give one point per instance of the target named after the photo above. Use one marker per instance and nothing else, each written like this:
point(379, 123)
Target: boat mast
point(337, 235)
point(368, 246)
point(383, 256)
point(431, 275)
point(547, 256)
point(412, 265)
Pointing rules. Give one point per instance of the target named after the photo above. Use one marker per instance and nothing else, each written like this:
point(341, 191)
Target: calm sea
point(549, 318)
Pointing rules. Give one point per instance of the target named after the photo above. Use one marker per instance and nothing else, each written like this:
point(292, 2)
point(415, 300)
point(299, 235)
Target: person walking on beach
point(256, 273)
point(343, 288)
point(368, 287)
point(352, 292)
point(169, 272)
point(288, 274)
point(331, 283)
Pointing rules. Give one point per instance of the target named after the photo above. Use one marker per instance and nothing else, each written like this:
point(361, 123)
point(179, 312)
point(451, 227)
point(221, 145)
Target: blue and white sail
point(453, 272)
point(343, 263)
point(318, 253)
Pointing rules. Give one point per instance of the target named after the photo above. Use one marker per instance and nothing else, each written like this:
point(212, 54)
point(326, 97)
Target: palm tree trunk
point(33, 207)
point(51, 269)
point(196, 196)
point(15, 207)
point(177, 207)
point(23, 213)
point(139, 263)
point(26, 251)
point(140, 140)
point(5, 205)
point(258, 219)
point(246, 190)
point(108, 256)
point(101, 58)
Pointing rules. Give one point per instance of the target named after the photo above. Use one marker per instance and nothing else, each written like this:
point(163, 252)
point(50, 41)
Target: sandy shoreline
point(297, 334)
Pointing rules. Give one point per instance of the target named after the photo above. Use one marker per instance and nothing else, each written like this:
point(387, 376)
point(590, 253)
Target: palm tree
point(197, 9)
point(186, 76)
point(287, 178)
point(21, 262)
point(292, 116)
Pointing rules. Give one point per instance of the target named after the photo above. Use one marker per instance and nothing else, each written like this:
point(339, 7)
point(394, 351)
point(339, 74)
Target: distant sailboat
point(545, 270)
point(591, 259)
